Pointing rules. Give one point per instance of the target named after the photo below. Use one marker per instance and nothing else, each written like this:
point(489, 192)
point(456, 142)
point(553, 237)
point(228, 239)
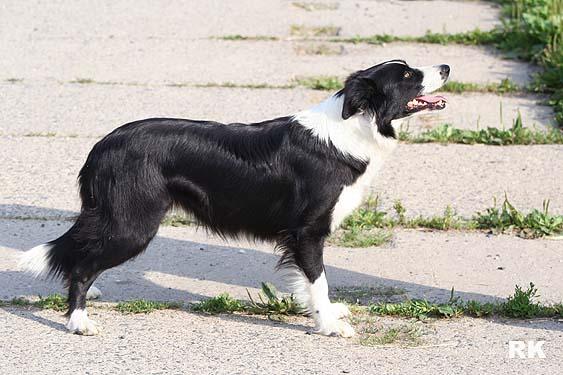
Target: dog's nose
point(444, 71)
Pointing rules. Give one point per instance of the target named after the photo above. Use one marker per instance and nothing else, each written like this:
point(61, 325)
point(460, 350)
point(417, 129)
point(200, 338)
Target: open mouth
point(430, 102)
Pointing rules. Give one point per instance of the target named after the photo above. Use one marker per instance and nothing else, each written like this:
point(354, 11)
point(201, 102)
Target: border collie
point(290, 180)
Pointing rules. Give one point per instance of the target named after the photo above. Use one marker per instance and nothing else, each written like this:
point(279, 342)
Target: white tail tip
point(36, 260)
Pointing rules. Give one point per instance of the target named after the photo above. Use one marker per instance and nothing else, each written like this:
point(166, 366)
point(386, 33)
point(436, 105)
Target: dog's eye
point(407, 75)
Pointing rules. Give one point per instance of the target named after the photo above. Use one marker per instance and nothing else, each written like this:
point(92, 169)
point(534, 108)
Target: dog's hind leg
point(303, 256)
point(127, 239)
point(118, 248)
point(81, 279)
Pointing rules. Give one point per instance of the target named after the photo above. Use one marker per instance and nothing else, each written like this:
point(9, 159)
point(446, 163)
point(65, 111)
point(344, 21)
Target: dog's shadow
point(170, 267)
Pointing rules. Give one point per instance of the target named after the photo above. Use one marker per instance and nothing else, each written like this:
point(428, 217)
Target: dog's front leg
point(327, 315)
point(311, 288)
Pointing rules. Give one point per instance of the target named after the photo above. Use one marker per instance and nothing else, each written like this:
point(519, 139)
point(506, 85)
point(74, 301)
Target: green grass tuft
point(143, 306)
point(320, 83)
point(361, 238)
point(505, 86)
point(370, 226)
point(270, 303)
point(419, 309)
point(54, 302)
point(368, 216)
point(474, 37)
point(449, 220)
point(481, 309)
point(533, 30)
point(220, 304)
point(373, 39)
point(537, 223)
point(520, 305)
point(517, 134)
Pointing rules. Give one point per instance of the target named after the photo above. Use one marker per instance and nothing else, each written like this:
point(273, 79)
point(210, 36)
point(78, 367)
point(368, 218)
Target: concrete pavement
point(128, 52)
point(84, 20)
point(251, 62)
point(95, 110)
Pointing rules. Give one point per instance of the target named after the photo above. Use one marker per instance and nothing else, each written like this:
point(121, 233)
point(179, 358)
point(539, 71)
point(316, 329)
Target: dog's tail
point(58, 257)
point(55, 258)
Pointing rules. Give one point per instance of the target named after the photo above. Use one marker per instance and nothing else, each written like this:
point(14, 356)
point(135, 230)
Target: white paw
point(339, 310)
point(336, 328)
point(93, 293)
point(81, 325)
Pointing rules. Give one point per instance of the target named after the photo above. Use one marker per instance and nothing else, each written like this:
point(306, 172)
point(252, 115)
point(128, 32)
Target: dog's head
point(393, 90)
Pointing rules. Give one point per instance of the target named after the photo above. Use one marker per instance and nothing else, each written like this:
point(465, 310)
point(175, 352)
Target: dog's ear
point(359, 95)
point(363, 95)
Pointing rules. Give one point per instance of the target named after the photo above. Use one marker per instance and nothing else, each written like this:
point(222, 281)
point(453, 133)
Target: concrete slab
point(203, 61)
point(178, 342)
point(41, 181)
point(478, 111)
point(427, 178)
point(424, 264)
point(196, 19)
point(95, 110)
point(186, 264)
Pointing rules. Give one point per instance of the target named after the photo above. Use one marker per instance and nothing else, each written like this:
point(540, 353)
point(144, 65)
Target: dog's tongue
point(431, 99)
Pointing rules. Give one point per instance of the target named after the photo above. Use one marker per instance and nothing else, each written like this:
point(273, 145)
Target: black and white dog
point(291, 180)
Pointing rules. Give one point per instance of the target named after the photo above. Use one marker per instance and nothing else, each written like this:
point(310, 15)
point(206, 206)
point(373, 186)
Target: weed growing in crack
point(220, 304)
point(506, 218)
point(143, 306)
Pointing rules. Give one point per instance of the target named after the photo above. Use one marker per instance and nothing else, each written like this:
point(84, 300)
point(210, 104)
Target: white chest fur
point(353, 195)
point(356, 136)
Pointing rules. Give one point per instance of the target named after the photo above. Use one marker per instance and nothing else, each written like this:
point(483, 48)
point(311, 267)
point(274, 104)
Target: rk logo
point(526, 349)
